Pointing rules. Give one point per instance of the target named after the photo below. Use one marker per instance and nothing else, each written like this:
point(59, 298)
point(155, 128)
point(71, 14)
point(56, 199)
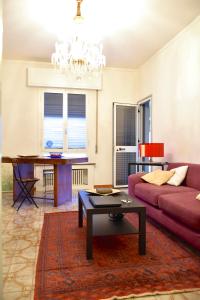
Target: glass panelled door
point(144, 122)
point(124, 142)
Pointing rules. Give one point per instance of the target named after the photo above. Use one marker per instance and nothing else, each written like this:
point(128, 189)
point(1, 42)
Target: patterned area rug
point(63, 272)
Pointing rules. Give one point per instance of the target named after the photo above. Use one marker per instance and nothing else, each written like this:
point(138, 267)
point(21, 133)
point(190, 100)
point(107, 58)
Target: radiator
point(79, 177)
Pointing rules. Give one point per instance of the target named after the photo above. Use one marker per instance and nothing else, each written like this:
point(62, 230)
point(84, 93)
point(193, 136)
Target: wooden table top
point(65, 159)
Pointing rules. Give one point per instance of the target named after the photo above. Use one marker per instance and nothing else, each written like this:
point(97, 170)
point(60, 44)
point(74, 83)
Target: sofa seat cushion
point(183, 207)
point(150, 192)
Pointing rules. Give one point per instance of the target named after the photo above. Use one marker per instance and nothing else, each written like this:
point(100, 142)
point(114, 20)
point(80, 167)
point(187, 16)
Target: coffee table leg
point(89, 236)
point(142, 232)
point(80, 212)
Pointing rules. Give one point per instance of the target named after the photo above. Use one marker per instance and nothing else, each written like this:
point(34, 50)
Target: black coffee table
point(98, 221)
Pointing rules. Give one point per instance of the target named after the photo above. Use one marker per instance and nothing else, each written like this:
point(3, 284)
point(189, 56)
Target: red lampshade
point(151, 149)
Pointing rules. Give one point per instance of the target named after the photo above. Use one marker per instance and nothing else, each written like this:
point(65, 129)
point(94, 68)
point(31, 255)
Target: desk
point(62, 173)
point(146, 163)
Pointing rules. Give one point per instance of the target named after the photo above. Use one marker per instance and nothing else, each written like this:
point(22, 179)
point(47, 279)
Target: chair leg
point(18, 197)
point(21, 203)
point(33, 201)
point(29, 194)
point(26, 194)
point(22, 200)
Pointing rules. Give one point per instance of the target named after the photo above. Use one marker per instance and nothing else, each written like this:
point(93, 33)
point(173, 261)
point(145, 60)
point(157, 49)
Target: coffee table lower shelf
point(102, 225)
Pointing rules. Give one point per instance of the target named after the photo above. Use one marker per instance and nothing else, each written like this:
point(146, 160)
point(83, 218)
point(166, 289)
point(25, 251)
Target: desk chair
point(26, 186)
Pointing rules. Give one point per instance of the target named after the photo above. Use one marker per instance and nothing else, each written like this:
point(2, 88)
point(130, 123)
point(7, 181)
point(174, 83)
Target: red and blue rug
point(63, 272)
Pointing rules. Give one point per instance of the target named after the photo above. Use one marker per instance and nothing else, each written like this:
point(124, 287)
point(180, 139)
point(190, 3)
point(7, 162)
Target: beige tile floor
point(20, 242)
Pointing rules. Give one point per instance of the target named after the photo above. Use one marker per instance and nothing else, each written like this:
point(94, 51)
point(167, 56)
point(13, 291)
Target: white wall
point(21, 114)
point(172, 77)
point(20, 111)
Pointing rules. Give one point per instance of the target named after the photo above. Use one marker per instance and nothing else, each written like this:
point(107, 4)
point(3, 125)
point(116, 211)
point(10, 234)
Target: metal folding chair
point(26, 186)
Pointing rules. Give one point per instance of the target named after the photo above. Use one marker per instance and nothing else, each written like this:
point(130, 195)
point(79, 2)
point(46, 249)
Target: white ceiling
point(131, 30)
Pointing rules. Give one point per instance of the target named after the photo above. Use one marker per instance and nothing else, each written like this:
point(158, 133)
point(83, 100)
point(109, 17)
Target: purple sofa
point(174, 207)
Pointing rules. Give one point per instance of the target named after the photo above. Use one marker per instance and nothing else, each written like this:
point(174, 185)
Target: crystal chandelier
point(78, 54)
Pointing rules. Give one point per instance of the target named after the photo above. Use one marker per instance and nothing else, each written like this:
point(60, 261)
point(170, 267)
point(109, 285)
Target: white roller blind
point(77, 133)
point(53, 120)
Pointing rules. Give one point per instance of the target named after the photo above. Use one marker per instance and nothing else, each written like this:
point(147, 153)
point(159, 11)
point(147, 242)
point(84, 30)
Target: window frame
point(65, 93)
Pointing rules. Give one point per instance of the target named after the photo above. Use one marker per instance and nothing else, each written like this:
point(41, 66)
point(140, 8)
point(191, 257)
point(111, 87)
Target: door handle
point(120, 149)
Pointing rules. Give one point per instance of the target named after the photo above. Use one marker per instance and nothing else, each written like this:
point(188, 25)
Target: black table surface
point(149, 163)
point(146, 163)
point(135, 204)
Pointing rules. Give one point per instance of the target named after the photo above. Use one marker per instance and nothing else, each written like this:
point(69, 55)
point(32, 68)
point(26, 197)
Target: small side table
point(146, 163)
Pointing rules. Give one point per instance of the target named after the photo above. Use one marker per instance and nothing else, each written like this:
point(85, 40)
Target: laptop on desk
point(104, 201)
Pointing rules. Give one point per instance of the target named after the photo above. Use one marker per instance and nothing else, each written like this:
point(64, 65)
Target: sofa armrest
point(133, 179)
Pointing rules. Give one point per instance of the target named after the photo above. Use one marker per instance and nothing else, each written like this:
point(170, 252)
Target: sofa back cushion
point(192, 178)
point(150, 192)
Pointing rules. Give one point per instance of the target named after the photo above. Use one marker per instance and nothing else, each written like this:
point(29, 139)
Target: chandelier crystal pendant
point(79, 54)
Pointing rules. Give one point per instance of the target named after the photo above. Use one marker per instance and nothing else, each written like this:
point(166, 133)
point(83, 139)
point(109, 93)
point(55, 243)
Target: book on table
point(104, 201)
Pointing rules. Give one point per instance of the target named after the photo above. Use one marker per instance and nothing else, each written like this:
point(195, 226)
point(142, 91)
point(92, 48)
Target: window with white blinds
point(64, 121)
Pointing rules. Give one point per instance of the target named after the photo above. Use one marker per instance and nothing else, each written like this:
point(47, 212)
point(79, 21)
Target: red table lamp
point(151, 150)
